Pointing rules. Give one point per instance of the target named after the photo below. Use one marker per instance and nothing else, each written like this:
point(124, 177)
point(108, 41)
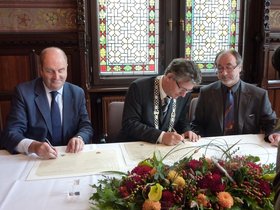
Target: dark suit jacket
point(30, 115)
point(138, 114)
point(254, 111)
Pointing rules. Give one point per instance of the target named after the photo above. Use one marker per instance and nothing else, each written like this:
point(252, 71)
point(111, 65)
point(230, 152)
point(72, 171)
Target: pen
point(46, 140)
point(49, 143)
point(177, 132)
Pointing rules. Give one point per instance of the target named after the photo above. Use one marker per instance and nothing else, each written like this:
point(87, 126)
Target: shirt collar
point(60, 91)
point(234, 88)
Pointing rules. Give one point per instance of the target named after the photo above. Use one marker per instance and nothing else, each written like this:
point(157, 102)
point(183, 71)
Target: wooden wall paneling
point(271, 79)
point(16, 66)
point(4, 111)
point(274, 96)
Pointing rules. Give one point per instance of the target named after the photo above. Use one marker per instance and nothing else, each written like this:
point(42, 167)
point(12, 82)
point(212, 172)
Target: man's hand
point(274, 139)
point(43, 150)
point(171, 138)
point(191, 136)
point(76, 144)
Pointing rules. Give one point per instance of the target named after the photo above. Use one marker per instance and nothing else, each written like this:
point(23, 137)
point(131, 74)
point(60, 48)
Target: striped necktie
point(166, 102)
point(229, 114)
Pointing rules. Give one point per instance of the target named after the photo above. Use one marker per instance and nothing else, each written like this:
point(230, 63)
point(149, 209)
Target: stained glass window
point(129, 34)
point(128, 37)
point(211, 26)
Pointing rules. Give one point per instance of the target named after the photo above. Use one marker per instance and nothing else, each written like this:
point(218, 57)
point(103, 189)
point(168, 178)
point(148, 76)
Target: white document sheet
point(212, 147)
point(138, 151)
point(76, 164)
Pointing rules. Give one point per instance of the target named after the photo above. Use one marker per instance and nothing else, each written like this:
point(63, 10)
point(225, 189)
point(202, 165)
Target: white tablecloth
point(18, 193)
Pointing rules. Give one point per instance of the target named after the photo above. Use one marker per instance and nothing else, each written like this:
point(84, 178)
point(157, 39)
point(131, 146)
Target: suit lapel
point(67, 104)
point(42, 103)
point(218, 104)
point(244, 101)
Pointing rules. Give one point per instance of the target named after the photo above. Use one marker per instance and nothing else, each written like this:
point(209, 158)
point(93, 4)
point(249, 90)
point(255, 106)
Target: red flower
point(213, 182)
point(123, 191)
point(194, 164)
point(132, 182)
point(264, 187)
point(141, 170)
point(167, 199)
point(254, 167)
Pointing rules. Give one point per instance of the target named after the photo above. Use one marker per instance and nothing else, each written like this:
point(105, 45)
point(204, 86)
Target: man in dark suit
point(30, 123)
point(250, 107)
point(156, 108)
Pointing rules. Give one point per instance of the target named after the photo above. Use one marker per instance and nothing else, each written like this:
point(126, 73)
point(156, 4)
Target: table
point(16, 192)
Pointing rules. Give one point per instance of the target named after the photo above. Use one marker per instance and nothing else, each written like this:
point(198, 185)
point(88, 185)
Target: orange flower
point(202, 199)
point(225, 199)
point(151, 205)
point(153, 171)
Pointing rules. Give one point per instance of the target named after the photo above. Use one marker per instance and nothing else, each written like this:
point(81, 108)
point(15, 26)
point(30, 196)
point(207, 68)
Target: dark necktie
point(166, 102)
point(56, 121)
point(229, 114)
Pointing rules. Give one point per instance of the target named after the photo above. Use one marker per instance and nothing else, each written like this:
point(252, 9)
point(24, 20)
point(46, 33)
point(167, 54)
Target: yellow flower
point(202, 199)
point(225, 199)
point(172, 174)
point(179, 181)
point(151, 205)
point(176, 179)
point(155, 192)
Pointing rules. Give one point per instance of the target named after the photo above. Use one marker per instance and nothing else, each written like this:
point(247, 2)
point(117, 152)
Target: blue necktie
point(56, 121)
point(229, 114)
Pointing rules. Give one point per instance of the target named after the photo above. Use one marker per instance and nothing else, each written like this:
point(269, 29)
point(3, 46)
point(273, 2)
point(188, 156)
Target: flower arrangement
point(231, 182)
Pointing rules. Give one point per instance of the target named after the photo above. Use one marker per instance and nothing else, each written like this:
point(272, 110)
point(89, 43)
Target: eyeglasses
point(227, 68)
point(181, 88)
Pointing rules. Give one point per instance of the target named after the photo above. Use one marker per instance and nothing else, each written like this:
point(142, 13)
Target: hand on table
point(191, 136)
point(76, 144)
point(274, 139)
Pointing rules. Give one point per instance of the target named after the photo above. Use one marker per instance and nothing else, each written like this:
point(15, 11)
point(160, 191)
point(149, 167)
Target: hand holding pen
point(172, 138)
point(43, 149)
point(53, 153)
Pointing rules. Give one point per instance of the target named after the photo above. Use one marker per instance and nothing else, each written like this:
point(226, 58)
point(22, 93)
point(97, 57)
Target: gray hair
point(232, 52)
point(184, 69)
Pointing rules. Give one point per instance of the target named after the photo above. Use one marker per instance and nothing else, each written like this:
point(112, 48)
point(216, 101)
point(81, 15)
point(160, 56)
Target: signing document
point(76, 164)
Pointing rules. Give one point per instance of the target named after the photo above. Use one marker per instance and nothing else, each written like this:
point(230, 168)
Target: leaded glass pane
point(128, 37)
point(211, 26)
